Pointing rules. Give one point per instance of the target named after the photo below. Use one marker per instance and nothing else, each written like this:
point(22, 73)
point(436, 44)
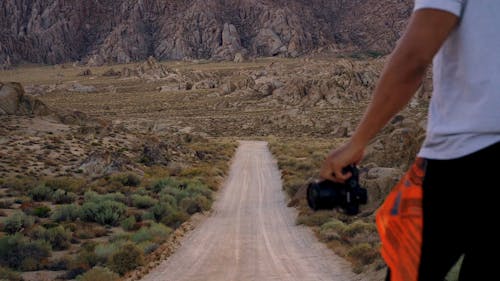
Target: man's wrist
point(358, 140)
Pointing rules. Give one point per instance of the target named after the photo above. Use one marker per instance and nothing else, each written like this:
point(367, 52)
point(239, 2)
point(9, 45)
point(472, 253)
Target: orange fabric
point(399, 223)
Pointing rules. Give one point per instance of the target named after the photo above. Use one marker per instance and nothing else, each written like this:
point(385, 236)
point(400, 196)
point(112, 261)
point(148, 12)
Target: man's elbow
point(415, 62)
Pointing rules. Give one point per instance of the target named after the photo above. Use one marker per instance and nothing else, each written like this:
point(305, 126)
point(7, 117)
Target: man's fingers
point(340, 177)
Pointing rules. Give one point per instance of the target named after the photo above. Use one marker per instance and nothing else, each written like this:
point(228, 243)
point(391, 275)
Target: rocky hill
point(121, 31)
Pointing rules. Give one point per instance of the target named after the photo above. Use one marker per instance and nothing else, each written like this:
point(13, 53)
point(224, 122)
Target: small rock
point(86, 72)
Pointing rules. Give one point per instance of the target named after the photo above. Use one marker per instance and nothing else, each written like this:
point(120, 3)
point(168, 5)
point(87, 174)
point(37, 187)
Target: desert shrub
point(17, 222)
point(17, 251)
point(41, 211)
point(22, 199)
point(141, 191)
point(166, 182)
point(66, 213)
point(105, 250)
point(62, 196)
point(37, 232)
point(58, 237)
point(148, 247)
point(175, 219)
point(92, 196)
point(160, 210)
point(129, 223)
point(126, 258)
point(363, 253)
point(142, 201)
point(332, 230)
point(127, 179)
point(66, 183)
point(104, 212)
point(314, 219)
point(156, 233)
point(60, 263)
point(195, 204)
point(142, 235)
point(22, 184)
point(168, 199)
point(41, 193)
point(82, 262)
point(10, 275)
point(358, 227)
point(159, 232)
point(98, 274)
point(6, 204)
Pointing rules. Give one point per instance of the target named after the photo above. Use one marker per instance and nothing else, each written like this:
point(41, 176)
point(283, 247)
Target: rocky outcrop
point(14, 101)
point(122, 31)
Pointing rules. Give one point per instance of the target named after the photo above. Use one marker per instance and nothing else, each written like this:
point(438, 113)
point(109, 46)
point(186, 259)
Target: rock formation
point(122, 31)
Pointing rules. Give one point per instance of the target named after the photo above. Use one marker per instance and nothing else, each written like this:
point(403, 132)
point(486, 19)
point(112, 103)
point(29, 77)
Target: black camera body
point(328, 194)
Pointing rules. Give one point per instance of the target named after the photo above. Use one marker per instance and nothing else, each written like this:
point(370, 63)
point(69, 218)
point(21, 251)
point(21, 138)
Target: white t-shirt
point(464, 114)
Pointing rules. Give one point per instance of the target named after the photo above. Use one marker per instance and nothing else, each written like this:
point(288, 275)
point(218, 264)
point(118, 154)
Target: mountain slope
point(127, 30)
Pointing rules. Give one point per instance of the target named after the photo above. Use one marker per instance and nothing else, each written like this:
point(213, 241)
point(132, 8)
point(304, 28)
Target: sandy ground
point(251, 234)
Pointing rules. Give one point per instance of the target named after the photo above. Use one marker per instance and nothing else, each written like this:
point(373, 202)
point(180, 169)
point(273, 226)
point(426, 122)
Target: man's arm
point(400, 79)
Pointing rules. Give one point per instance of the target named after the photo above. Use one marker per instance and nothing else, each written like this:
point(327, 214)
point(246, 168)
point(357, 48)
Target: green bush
point(168, 199)
point(41, 211)
point(314, 219)
point(17, 222)
point(332, 230)
point(163, 183)
point(92, 196)
point(104, 212)
point(67, 213)
point(58, 237)
point(175, 219)
point(98, 274)
point(41, 193)
point(105, 250)
point(148, 247)
point(358, 227)
point(127, 179)
point(143, 201)
point(66, 183)
point(61, 196)
point(161, 210)
point(19, 252)
point(126, 258)
point(195, 204)
point(84, 261)
point(38, 232)
point(156, 233)
point(9, 275)
point(129, 223)
point(142, 235)
point(363, 253)
point(6, 204)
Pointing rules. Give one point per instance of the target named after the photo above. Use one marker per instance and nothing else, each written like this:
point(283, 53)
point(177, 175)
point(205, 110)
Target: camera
point(328, 194)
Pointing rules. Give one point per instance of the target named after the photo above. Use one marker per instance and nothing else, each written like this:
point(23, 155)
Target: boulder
point(10, 97)
point(239, 58)
point(79, 88)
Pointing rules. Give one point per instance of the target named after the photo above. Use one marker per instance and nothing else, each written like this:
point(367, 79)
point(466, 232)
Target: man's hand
point(340, 158)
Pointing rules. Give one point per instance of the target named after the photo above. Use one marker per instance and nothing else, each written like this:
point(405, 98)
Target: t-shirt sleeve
point(453, 6)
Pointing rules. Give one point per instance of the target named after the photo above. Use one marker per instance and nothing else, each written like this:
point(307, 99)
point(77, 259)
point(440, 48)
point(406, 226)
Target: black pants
point(461, 207)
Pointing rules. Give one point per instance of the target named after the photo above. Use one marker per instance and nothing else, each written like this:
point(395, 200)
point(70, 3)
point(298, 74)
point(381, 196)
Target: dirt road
point(251, 234)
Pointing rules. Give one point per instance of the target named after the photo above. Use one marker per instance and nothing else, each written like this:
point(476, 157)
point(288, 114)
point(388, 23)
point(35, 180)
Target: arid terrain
point(158, 137)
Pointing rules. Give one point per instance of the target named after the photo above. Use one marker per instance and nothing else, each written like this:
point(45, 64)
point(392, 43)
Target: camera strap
point(399, 223)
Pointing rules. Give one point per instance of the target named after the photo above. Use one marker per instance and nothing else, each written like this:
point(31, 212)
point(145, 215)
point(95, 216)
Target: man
point(463, 133)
